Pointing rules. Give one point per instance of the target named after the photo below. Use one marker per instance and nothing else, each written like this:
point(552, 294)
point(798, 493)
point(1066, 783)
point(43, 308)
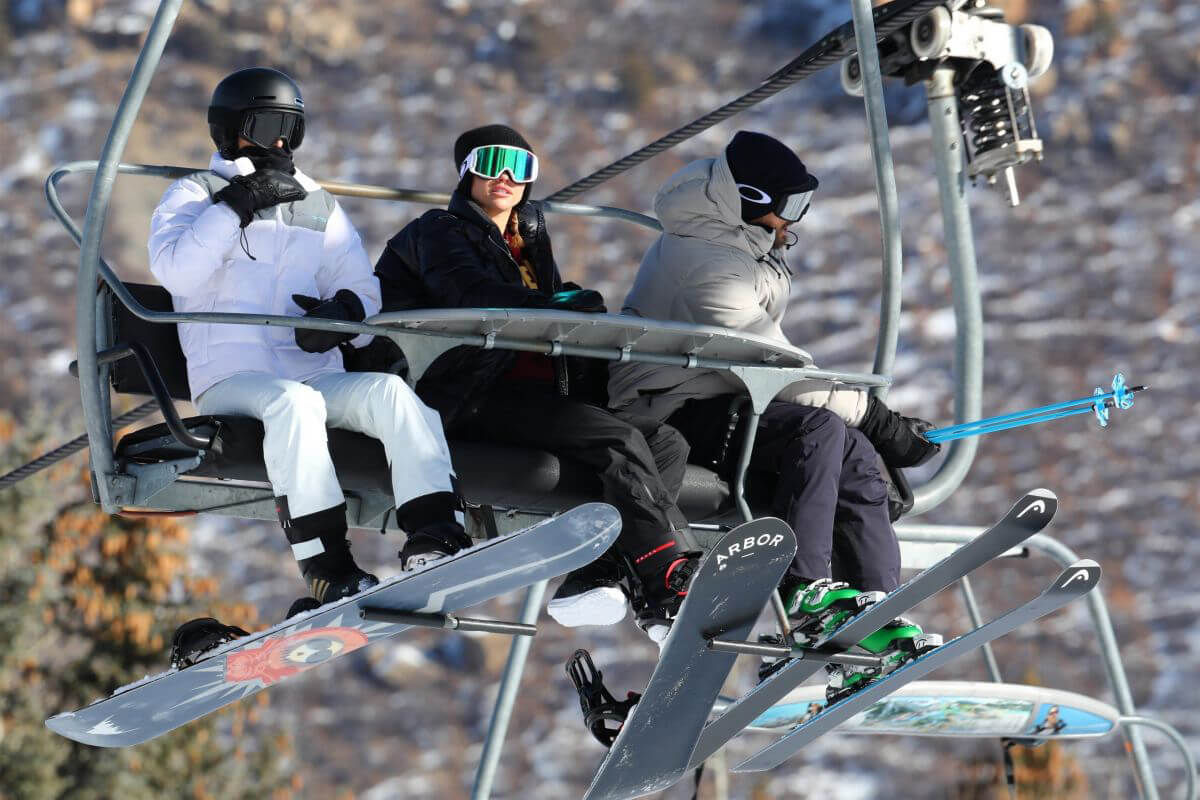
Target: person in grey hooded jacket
point(719, 261)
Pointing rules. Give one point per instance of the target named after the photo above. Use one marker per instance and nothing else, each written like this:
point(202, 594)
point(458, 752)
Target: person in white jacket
point(253, 234)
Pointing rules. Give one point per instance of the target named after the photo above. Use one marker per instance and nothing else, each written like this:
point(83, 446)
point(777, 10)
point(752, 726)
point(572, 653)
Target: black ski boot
point(433, 529)
point(661, 594)
point(323, 553)
point(196, 637)
point(432, 543)
point(302, 606)
point(333, 575)
point(591, 595)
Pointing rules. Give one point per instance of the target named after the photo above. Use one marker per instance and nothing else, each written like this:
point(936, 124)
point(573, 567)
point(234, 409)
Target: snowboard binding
point(603, 714)
point(195, 638)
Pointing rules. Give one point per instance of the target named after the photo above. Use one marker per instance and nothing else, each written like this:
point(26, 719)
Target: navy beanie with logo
point(765, 169)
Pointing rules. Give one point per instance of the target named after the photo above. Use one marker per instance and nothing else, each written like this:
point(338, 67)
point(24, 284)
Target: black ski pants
point(826, 485)
point(640, 461)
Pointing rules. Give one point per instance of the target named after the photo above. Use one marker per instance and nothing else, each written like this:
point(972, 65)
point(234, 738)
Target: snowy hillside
point(1095, 272)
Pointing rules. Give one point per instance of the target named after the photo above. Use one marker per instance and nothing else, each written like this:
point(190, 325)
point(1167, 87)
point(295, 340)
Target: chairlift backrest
point(162, 341)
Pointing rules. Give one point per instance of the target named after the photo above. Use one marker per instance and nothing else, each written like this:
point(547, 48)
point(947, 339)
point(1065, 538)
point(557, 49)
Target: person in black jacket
point(490, 249)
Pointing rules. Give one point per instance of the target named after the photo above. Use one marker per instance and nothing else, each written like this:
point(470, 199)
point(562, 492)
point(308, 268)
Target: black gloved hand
point(381, 355)
point(899, 440)
point(586, 300)
point(269, 158)
point(344, 305)
point(265, 188)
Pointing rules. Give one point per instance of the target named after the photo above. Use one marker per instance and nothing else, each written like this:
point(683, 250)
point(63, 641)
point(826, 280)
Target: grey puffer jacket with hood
point(711, 268)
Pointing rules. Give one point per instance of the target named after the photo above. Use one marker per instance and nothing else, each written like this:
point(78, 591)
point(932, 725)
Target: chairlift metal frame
point(115, 487)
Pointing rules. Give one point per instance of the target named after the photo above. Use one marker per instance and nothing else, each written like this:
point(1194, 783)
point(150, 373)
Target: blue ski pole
point(1099, 403)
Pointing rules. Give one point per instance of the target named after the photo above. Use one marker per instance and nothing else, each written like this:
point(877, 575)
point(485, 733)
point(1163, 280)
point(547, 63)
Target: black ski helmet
point(255, 94)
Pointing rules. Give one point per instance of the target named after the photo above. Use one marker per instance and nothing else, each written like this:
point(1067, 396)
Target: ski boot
point(816, 609)
point(196, 637)
point(332, 574)
point(322, 552)
point(897, 643)
point(603, 714)
point(660, 595)
point(302, 605)
point(432, 543)
point(591, 595)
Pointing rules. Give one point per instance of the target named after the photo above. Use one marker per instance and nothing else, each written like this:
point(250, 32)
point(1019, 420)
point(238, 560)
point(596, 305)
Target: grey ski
point(727, 594)
point(1074, 582)
point(1028, 516)
point(246, 666)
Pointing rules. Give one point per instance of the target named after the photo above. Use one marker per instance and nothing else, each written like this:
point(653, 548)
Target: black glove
point(269, 158)
point(381, 355)
point(899, 440)
point(246, 194)
point(585, 300)
point(344, 305)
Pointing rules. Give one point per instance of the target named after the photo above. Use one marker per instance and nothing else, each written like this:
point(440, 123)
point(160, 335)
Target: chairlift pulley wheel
point(930, 34)
point(851, 76)
point(1039, 49)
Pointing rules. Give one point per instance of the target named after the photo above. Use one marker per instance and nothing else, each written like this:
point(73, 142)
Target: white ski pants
point(296, 449)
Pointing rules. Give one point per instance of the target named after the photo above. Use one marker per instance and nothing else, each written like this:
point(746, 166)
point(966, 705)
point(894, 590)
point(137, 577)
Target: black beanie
point(765, 164)
point(488, 134)
point(479, 137)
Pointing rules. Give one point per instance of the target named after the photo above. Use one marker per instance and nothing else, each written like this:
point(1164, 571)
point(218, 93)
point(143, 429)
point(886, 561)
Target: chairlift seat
point(505, 476)
point(500, 475)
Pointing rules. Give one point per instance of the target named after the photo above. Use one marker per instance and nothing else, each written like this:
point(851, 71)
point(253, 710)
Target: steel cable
point(829, 50)
point(70, 448)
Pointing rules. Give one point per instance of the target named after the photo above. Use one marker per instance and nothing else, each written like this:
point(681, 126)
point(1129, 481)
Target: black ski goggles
point(264, 128)
point(790, 205)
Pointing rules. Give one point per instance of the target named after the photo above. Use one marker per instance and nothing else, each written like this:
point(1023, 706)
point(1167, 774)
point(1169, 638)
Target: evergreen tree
point(87, 604)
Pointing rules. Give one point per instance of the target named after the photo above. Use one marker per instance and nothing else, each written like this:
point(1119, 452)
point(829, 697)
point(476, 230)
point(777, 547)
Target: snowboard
point(1074, 582)
point(730, 589)
point(957, 709)
point(155, 705)
point(1028, 516)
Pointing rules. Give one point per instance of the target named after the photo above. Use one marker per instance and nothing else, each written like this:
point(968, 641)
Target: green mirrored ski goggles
point(493, 160)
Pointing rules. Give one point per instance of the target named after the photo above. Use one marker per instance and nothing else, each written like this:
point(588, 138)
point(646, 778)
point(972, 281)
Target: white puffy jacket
point(710, 268)
point(307, 247)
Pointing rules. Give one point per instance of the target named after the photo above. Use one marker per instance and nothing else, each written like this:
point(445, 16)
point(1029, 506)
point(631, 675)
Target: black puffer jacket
point(456, 258)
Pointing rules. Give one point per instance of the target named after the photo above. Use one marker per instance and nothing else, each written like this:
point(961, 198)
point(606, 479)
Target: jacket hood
point(702, 201)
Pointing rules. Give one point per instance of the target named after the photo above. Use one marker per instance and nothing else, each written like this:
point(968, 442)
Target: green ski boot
point(818, 608)
point(815, 609)
point(897, 643)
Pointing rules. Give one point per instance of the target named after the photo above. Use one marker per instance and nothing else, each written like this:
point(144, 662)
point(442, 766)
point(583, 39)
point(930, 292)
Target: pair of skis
point(646, 754)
